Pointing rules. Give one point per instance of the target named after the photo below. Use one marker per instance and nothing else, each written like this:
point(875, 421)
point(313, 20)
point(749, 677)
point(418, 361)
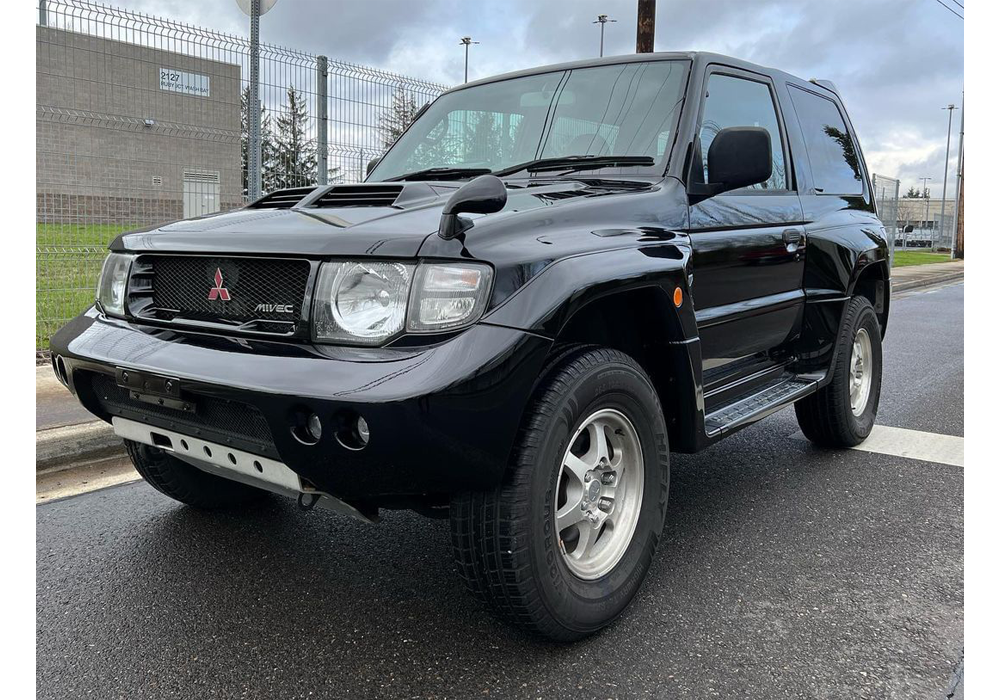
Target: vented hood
point(384, 219)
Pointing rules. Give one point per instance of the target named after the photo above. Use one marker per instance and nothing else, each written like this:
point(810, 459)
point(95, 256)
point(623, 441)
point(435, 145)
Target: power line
point(959, 4)
point(947, 7)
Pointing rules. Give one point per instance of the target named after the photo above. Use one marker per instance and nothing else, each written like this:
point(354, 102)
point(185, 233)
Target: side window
point(832, 154)
point(735, 101)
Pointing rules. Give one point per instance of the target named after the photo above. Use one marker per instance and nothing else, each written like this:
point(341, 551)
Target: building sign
point(187, 83)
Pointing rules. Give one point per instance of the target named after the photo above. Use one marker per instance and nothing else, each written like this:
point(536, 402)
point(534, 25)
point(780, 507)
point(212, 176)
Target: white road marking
point(913, 444)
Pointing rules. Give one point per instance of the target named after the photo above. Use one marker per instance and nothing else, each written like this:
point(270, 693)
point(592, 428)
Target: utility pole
point(958, 181)
point(602, 20)
point(947, 154)
point(467, 41)
point(645, 26)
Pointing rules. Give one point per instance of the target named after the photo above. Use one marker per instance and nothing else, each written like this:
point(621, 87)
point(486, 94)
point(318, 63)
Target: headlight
point(360, 302)
point(112, 285)
point(368, 303)
point(448, 295)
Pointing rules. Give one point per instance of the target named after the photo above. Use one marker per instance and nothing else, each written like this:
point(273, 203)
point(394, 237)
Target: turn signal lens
point(448, 295)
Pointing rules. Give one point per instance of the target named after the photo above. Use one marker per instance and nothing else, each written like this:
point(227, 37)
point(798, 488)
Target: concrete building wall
point(114, 147)
point(916, 210)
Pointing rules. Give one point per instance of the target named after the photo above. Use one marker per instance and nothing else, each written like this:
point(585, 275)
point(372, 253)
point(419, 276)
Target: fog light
point(314, 427)
point(306, 426)
point(363, 430)
point(60, 367)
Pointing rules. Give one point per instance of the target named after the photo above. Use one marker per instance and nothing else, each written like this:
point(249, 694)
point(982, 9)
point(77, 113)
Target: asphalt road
point(785, 571)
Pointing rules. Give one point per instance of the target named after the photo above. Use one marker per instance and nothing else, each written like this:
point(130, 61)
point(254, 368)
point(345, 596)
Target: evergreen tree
point(267, 153)
point(392, 124)
point(295, 152)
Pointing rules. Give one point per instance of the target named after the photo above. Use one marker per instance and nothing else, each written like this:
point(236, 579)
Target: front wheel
point(842, 413)
point(562, 546)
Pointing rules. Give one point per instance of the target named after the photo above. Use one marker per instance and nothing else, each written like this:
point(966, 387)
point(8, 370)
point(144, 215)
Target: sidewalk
point(66, 434)
point(913, 276)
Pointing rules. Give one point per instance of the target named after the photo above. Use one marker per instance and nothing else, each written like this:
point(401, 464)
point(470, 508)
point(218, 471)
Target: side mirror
point(371, 165)
point(738, 157)
point(484, 195)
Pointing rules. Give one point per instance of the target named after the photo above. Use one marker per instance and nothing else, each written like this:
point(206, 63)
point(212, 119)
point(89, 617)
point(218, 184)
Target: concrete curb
point(69, 445)
point(926, 281)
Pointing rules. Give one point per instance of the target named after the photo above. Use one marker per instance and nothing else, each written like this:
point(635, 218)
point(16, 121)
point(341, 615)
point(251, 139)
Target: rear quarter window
point(832, 153)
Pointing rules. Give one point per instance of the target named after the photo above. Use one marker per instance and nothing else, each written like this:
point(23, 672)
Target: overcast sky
point(896, 62)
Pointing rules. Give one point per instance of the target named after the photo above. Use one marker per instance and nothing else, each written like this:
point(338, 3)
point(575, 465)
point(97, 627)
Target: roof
point(703, 57)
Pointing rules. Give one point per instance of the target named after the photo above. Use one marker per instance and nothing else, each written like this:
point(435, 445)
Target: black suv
point(553, 279)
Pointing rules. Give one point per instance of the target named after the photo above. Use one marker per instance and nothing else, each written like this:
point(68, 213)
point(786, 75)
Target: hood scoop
point(281, 199)
point(377, 195)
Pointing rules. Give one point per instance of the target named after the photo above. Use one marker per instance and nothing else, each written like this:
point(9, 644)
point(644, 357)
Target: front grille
point(222, 420)
point(265, 294)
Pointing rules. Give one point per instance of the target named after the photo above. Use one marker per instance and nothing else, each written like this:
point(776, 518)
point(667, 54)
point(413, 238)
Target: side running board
point(751, 408)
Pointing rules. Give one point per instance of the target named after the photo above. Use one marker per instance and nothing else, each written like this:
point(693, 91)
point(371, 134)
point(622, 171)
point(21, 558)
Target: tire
point(827, 417)
point(186, 483)
point(505, 541)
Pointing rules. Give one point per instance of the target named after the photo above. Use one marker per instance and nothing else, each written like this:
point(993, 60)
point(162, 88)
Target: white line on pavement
point(913, 444)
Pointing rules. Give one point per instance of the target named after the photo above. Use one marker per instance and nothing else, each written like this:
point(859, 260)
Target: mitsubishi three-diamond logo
point(218, 291)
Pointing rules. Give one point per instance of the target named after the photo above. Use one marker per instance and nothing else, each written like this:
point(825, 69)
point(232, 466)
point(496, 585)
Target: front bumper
point(442, 418)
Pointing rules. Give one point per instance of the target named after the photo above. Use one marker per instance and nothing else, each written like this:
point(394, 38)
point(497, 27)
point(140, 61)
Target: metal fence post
point(253, 137)
point(43, 19)
point(322, 135)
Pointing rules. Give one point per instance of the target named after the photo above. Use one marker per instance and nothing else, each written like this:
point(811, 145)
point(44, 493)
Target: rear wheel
point(842, 413)
point(186, 483)
point(561, 548)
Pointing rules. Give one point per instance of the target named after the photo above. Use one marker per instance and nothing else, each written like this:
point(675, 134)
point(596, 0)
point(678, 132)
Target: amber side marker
point(678, 296)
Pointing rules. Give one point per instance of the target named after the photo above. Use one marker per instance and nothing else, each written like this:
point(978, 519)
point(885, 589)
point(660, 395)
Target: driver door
point(748, 246)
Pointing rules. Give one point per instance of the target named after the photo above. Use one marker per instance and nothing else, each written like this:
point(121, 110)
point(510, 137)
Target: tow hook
point(308, 501)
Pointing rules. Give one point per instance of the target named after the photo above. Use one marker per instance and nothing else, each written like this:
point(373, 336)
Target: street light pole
point(602, 20)
point(467, 41)
point(947, 154)
point(958, 178)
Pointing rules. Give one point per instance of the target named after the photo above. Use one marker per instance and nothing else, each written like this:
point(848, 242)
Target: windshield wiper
point(576, 163)
point(441, 174)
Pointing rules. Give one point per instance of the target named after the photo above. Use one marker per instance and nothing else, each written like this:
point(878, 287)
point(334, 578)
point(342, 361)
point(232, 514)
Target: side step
point(750, 408)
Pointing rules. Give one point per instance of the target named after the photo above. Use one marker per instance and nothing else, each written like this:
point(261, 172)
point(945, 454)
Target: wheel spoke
point(576, 466)
point(586, 541)
point(599, 440)
point(569, 514)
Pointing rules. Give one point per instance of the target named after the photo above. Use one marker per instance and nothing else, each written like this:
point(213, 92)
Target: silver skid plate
point(229, 463)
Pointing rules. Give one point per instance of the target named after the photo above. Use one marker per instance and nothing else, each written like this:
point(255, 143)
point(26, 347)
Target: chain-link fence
point(886, 191)
point(142, 120)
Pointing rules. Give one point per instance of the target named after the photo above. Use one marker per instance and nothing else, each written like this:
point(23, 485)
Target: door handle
point(791, 236)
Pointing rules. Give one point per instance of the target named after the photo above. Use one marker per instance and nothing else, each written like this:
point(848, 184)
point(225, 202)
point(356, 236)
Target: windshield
point(627, 109)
